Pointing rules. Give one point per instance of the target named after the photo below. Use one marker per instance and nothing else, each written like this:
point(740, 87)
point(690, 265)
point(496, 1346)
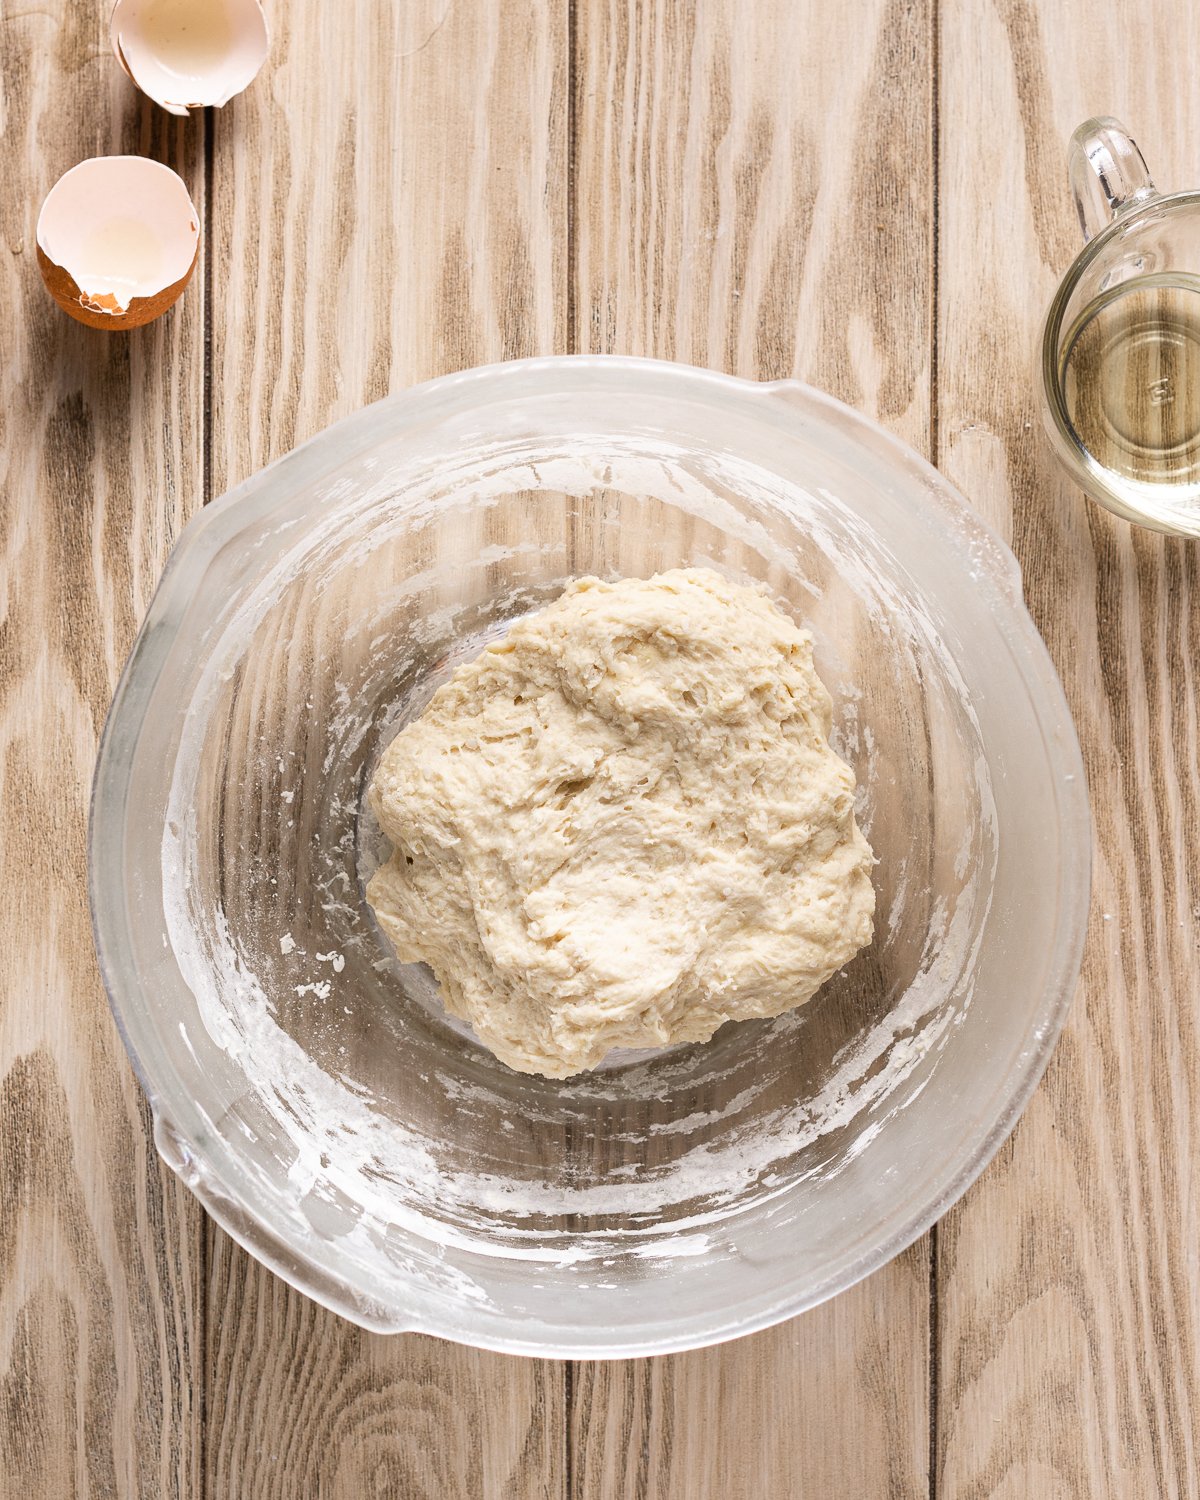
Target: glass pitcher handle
point(1108, 173)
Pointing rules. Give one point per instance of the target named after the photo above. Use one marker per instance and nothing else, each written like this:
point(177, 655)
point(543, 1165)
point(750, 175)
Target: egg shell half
point(190, 54)
point(118, 239)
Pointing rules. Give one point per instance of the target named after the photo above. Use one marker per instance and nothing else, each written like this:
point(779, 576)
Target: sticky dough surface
point(623, 825)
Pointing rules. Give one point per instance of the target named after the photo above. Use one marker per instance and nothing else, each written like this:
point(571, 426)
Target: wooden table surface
point(869, 195)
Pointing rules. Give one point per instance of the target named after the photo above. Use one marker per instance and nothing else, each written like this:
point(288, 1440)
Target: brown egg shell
point(91, 310)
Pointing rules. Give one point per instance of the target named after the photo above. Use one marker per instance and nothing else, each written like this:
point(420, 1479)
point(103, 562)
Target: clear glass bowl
point(311, 1091)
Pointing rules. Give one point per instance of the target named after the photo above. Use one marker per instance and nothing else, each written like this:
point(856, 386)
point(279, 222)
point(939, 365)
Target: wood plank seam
point(206, 480)
point(935, 149)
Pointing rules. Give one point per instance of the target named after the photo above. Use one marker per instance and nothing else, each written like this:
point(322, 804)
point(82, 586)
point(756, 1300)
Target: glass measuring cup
point(1120, 358)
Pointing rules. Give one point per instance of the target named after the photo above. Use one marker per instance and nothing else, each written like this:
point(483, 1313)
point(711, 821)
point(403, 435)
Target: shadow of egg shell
point(118, 239)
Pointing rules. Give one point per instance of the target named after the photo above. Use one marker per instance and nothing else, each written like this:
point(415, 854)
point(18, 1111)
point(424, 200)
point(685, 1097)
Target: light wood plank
point(834, 1403)
point(754, 192)
point(303, 1404)
point(1069, 1328)
point(389, 204)
point(101, 1269)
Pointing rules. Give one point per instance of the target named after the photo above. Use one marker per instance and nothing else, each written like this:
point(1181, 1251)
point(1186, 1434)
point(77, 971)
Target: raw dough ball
point(622, 825)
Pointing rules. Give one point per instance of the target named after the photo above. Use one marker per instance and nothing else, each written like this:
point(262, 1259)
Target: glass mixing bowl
point(311, 1091)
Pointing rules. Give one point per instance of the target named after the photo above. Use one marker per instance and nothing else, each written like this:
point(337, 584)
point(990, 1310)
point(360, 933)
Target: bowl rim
point(217, 522)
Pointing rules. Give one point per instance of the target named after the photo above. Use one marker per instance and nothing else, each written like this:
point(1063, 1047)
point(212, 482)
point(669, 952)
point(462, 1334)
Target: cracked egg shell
point(188, 54)
point(117, 240)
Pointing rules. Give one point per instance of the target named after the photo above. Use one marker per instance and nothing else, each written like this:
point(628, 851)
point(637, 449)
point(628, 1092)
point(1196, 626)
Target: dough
point(622, 825)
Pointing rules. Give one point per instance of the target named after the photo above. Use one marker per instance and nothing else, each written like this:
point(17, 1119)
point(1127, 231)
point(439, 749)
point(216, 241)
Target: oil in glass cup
point(1121, 347)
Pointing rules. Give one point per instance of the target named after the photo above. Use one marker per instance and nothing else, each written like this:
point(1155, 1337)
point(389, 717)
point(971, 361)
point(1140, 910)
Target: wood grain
point(753, 194)
point(389, 204)
point(304, 1404)
point(101, 1275)
point(1068, 1336)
